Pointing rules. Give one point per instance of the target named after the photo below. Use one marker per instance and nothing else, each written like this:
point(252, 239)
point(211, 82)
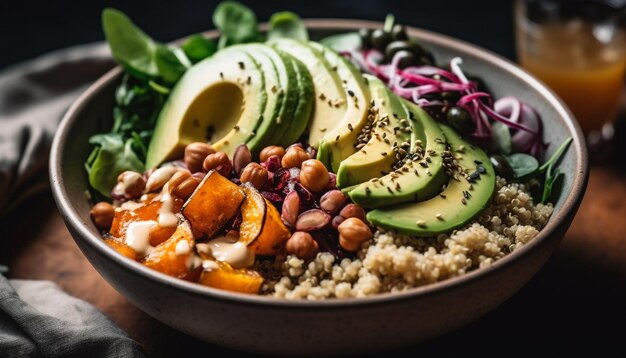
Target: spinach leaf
point(286, 24)
point(170, 67)
point(343, 42)
point(236, 22)
point(522, 164)
point(111, 157)
point(130, 46)
point(501, 136)
point(198, 47)
point(552, 180)
point(556, 156)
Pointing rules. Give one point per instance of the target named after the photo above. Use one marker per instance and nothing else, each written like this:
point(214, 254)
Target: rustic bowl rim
point(568, 208)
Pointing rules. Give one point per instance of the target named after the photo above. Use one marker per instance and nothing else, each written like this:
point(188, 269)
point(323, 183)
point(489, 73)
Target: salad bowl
point(275, 326)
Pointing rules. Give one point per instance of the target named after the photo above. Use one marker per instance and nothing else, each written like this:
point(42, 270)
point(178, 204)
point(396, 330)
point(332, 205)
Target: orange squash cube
point(174, 256)
point(224, 277)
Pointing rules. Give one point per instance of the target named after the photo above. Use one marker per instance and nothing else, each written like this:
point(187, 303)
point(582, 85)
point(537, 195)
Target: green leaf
point(522, 164)
point(170, 67)
point(286, 24)
point(549, 185)
point(198, 47)
point(236, 22)
point(130, 46)
point(556, 156)
point(112, 157)
point(343, 42)
point(501, 136)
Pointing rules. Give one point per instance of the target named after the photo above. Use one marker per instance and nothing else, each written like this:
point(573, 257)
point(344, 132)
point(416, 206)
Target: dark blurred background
point(29, 28)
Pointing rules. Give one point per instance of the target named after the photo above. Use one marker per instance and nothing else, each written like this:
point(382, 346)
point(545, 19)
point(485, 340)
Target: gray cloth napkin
point(37, 319)
point(33, 97)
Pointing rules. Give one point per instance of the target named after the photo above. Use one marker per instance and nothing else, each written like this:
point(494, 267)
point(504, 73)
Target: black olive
point(398, 32)
point(396, 46)
point(380, 39)
point(502, 166)
point(460, 120)
point(366, 38)
point(407, 59)
point(451, 96)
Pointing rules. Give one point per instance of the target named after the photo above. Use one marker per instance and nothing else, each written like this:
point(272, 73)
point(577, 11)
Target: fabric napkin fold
point(33, 97)
point(37, 319)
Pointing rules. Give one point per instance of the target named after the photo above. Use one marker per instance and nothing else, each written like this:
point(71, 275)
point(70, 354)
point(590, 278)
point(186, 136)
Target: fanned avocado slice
point(207, 104)
point(338, 142)
point(390, 136)
point(467, 194)
point(301, 111)
point(329, 99)
point(421, 175)
point(281, 86)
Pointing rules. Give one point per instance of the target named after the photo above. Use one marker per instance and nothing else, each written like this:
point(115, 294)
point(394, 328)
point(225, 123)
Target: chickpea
point(294, 157)
point(186, 188)
point(352, 233)
point(178, 178)
point(271, 150)
point(219, 162)
point(195, 154)
point(302, 245)
point(102, 214)
point(130, 184)
point(353, 211)
point(313, 175)
point(254, 174)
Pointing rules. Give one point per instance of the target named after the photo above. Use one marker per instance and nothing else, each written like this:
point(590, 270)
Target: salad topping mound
point(235, 164)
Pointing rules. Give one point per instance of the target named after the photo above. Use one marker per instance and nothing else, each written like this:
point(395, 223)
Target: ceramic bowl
point(273, 326)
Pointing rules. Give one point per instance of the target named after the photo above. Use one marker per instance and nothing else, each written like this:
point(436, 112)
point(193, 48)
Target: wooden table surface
point(571, 305)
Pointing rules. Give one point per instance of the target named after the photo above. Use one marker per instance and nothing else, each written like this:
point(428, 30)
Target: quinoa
point(394, 263)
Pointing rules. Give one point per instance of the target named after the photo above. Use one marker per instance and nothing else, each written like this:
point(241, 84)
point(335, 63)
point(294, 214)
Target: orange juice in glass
point(578, 48)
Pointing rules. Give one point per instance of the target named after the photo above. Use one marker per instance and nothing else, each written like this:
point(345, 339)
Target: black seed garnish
point(367, 190)
point(350, 127)
point(337, 138)
point(478, 162)
point(221, 75)
point(389, 190)
point(236, 128)
point(466, 194)
point(241, 65)
point(395, 114)
point(351, 93)
point(442, 195)
point(411, 115)
point(474, 176)
point(424, 165)
point(481, 169)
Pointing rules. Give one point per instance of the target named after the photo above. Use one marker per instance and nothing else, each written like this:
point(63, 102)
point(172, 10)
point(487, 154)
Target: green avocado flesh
point(301, 112)
point(337, 143)
point(281, 88)
point(329, 95)
point(421, 175)
point(220, 98)
point(389, 125)
point(460, 202)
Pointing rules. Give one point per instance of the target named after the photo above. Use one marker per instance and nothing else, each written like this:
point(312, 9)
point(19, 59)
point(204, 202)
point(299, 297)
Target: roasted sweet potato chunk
point(213, 204)
point(150, 211)
point(174, 255)
point(261, 227)
point(223, 276)
point(122, 248)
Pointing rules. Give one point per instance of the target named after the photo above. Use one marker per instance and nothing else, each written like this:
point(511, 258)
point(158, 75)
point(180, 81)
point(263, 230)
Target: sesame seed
point(322, 130)
point(351, 93)
point(322, 96)
point(383, 153)
point(439, 216)
point(241, 65)
point(236, 128)
point(421, 223)
point(274, 89)
point(350, 127)
point(389, 190)
point(221, 75)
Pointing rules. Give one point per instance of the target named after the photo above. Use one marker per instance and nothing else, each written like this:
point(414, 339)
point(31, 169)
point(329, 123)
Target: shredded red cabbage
point(417, 82)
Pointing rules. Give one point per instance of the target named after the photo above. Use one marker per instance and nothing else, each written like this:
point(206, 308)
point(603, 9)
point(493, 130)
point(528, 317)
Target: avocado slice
point(461, 201)
point(330, 103)
point(301, 111)
point(422, 174)
point(390, 129)
point(338, 142)
point(207, 104)
point(281, 87)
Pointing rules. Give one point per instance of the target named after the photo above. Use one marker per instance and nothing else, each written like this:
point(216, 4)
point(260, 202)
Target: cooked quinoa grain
point(393, 263)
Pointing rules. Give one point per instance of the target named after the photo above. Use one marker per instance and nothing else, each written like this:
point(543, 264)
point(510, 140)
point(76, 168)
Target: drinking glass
point(578, 48)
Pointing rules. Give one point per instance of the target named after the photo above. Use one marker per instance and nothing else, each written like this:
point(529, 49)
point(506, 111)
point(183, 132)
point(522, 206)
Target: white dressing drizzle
point(182, 247)
point(209, 265)
point(167, 217)
point(160, 176)
point(233, 252)
point(138, 236)
point(130, 205)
